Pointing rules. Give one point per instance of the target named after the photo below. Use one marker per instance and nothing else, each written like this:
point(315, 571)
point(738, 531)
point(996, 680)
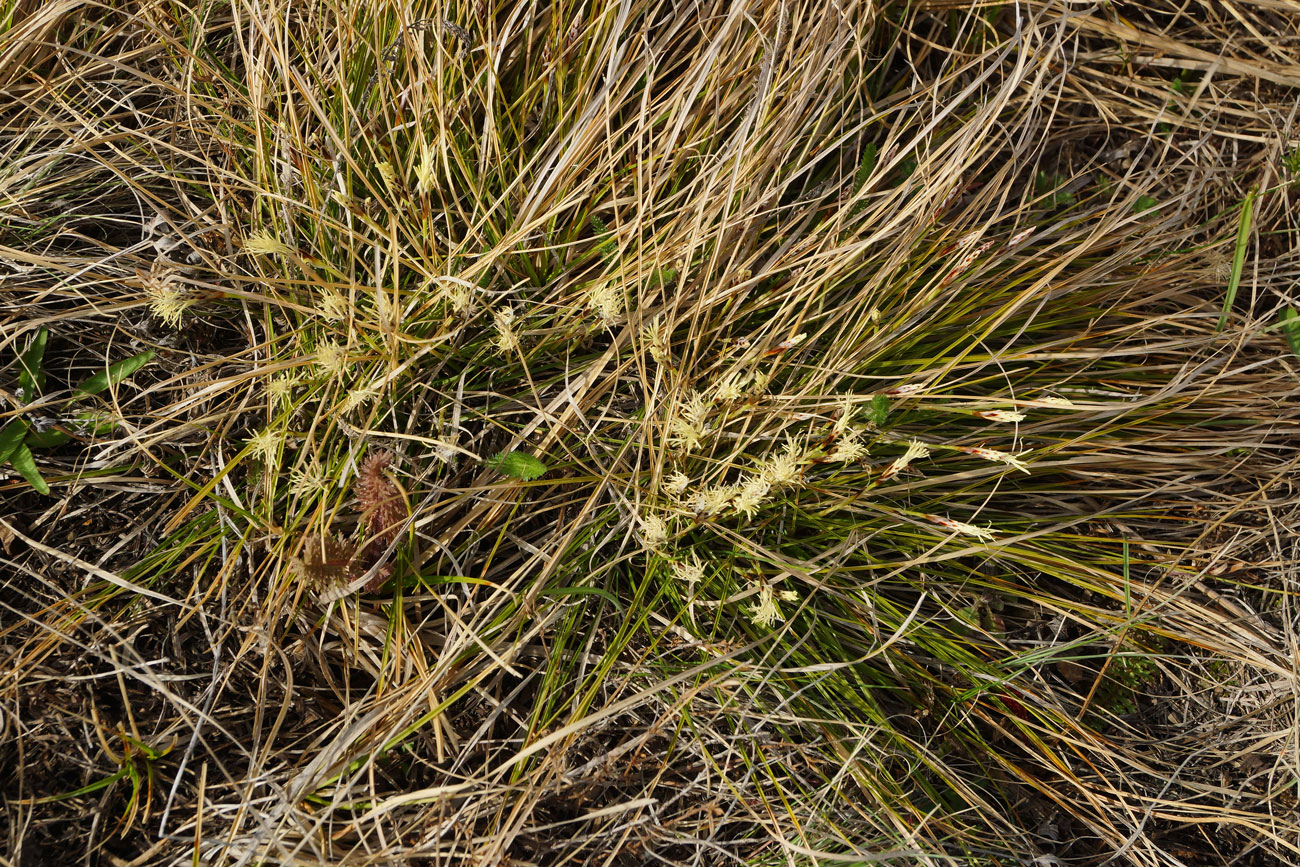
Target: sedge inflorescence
point(711, 491)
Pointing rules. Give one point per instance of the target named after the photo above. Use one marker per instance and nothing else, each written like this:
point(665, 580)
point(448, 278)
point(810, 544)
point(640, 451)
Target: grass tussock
point(649, 433)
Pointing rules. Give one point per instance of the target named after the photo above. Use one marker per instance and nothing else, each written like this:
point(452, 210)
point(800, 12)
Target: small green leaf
point(608, 248)
point(1144, 203)
point(45, 439)
point(115, 373)
point(663, 277)
point(1290, 327)
point(11, 437)
point(866, 165)
point(32, 378)
point(517, 465)
point(1053, 188)
point(25, 464)
point(96, 422)
point(1291, 160)
point(878, 411)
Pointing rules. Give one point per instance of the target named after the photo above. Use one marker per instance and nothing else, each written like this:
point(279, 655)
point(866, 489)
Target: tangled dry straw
point(628, 433)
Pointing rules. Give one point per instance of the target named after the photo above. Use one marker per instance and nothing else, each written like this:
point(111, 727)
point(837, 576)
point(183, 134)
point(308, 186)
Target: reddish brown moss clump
point(327, 560)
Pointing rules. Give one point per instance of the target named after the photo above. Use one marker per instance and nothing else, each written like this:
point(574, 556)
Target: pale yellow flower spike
point(696, 409)
point(849, 448)
point(961, 527)
point(765, 612)
point(306, 480)
point(264, 244)
point(688, 427)
point(714, 499)
point(915, 451)
point(606, 301)
point(783, 468)
point(505, 341)
point(425, 175)
point(280, 388)
point(652, 337)
point(332, 358)
point(654, 531)
point(389, 176)
point(168, 303)
point(994, 455)
point(730, 388)
point(265, 442)
point(752, 495)
point(690, 571)
point(682, 435)
point(845, 417)
point(332, 305)
point(358, 397)
point(677, 483)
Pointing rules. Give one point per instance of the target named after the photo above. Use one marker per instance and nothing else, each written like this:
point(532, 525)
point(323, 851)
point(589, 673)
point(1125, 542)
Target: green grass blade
point(1291, 328)
point(866, 165)
point(32, 377)
point(84, 790)
point(46, 439)
point(25, 464)
point(1238, 257)
point(11, 437)
point(115, 373)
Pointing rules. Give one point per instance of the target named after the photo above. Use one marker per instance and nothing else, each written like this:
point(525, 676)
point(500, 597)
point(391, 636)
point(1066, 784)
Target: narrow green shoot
point(1238, 257)
point(1290, 327)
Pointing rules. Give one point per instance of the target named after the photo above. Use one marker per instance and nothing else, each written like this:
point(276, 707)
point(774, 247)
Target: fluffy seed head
point(332, 305)
point(689, 570)
point(332, 358)
point(753, 493)
point(263, 243)
point(265, 443)
point(654, 531)
point(606, 301)
point(677, 483)
point(782, 468)
point(168, 298)
point(765, 612)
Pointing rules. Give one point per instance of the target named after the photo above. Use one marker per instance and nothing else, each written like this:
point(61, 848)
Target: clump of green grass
point(643, 435)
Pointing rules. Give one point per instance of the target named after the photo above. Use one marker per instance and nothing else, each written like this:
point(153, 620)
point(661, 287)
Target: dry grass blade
point(649, 433)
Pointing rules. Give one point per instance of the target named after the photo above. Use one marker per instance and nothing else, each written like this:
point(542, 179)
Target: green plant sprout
point(1291, 328)
point(1052, 189)
point(20, 437)
point(1291, 161)
point(1144, 203)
